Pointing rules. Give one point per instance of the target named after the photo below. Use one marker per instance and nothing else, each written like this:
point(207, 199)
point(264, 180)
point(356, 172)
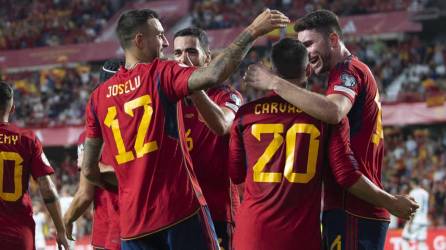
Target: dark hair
point(130, 23)
point(323, 21)
point(415, 181)
point(195, 32)
point(109, 68)
point(289, 58)
point(6, 94)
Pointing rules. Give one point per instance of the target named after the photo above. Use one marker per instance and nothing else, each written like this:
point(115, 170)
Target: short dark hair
point(323, 21)
point(109, 68)
point(289, 57)
point(130, 23)
point(200, 34)
point(6, 94)
point(415, 181)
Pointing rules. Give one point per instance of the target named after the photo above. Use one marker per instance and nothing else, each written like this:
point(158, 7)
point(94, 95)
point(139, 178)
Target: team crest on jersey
point(348, 80)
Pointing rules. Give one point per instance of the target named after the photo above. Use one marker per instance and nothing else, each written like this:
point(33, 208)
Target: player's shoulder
point(22, 132)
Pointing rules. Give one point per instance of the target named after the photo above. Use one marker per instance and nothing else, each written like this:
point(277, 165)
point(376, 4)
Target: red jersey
point(135, 113)
point(105, 229)
point(21, 156)
point(209, 152)
point(279, 152)
point(353, 79)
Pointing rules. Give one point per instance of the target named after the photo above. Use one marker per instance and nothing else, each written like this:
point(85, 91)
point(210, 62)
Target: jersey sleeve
point(343, 164)
point(40, 165)
point(92, 125)
point(228, 98)
point(343, 81)
point(236, 158)
point(174, 79)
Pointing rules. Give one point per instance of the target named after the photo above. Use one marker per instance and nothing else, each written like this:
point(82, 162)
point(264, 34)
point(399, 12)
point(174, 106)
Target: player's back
point(20, 157)
point(281, 151)
point(137, 113)
point(353, 79)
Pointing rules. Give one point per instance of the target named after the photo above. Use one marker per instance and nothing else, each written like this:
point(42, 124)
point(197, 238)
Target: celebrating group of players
point(164, 160)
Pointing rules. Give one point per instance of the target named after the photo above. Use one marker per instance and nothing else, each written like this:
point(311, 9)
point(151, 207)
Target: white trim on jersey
point(346, 90)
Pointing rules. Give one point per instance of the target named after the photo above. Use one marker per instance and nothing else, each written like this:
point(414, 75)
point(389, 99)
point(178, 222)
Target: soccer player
point(22, 156)
point(415, 230)
point(352, 92)
point(105, 231)
point(138, 115)
point(279, 152)
point(208, 118)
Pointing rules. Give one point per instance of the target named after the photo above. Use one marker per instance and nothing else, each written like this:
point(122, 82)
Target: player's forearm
point(224, 64)
point(314, 104)
point(51, 200)
point(369, 192)
point(90, 164)
point(216, 119)
point(81, 201)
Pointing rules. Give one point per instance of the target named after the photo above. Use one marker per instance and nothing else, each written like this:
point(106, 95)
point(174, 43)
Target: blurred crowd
point(38, 23)
point(421, 153)
point(219, 14)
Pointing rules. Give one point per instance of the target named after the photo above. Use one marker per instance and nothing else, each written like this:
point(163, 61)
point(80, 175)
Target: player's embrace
point(137, 113)
point(281, 153)
point(21, 156)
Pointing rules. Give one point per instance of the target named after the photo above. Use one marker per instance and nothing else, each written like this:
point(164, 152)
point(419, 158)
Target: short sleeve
point(228, 97)
point(92, 125)
point(345, 82)
point(343, 164)
point(40, 165)
point(174, 78)
point(236, 158)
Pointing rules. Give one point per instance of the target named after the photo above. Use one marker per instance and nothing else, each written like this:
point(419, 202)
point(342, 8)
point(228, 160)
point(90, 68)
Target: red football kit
point(209, 153)
point(105, 229)
point(136, 113)
point(280, 153)
point(353, 79)
point(21, 156)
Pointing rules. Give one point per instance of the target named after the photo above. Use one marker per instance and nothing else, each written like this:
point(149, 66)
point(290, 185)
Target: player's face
point(188, 50)
point(154, 40)
point(318, 50)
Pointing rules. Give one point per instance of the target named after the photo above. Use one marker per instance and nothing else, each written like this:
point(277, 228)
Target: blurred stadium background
point(52, 50)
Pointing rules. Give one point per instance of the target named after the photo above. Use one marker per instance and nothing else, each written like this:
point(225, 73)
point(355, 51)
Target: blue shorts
point(194, 233)
point(343, 231)
point(224, 233)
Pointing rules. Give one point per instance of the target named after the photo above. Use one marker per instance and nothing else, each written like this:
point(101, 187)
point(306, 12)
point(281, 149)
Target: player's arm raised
point(330, 109)
point(51, 200)
point(347, 174)
point(226, 62)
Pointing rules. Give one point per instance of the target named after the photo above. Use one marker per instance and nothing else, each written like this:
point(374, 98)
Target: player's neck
point(131, 60)
point(340, 55)
point(4, 117)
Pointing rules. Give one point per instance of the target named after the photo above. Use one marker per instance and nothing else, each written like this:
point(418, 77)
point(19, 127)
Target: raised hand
point(403, 207)
point(268, 21)
point(259, 77)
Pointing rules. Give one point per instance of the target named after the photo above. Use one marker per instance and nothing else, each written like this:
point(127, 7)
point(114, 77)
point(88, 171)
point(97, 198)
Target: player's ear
point(333, 40)
point(139, 40)
point(208, 57)
point(12, 109)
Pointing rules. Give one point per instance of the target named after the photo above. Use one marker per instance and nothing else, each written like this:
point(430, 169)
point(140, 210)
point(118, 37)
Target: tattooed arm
point(51, 200)
point(227, 62)
point(90, 163)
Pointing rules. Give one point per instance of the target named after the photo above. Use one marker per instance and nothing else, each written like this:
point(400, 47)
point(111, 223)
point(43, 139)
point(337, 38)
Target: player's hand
point(61, 240)
point(68, 228)
point(403, 207)
point(268, 21)
point(259, 77)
